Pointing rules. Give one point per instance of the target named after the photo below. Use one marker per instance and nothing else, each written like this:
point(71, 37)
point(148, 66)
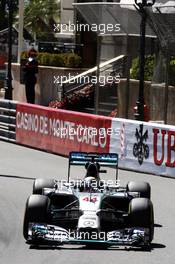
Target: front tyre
point(40, 184)
point(141, 214)
point(36, 211)
point(143, 188)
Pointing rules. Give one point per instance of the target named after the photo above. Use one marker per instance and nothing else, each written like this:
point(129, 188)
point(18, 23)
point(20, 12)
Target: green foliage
point(134, 72)
point(3, 17)
point(4, 12)
point(24, 55)
point(172, 71)
point(56, 60)
point(71, 60)
point(39, 17)
point(149, 68)
point(172, 62)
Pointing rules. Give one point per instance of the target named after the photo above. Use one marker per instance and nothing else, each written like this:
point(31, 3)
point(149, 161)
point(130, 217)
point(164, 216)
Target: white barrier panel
point(144, 147)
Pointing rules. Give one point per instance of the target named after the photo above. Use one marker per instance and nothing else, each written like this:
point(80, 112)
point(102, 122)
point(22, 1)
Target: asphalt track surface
point(18, 167)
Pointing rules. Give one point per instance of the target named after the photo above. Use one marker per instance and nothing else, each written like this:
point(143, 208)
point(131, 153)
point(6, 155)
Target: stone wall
point(46, 89)
point(154, 98)
point(130, 97)
point(157, 97)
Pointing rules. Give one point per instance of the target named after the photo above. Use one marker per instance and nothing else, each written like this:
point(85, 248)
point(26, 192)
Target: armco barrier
point(142, 146)
point(8, 120)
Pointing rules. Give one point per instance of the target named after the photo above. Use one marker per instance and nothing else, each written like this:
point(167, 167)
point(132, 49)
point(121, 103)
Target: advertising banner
point(144, 147)
point(61, 131)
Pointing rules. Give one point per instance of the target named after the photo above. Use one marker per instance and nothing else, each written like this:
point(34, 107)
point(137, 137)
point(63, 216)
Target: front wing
point(43, 234)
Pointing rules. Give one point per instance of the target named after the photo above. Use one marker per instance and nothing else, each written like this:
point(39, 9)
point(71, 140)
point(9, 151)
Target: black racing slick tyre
point(40, 184)
point(143, 188)
point(36, 211)
point(141, 214)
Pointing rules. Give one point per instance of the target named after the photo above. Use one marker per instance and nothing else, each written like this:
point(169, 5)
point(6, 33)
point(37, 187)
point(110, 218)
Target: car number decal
point(88, 199)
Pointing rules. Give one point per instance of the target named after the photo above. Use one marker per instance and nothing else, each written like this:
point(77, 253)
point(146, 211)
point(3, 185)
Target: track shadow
point(158, 225)
point(157, 245)
point(153, 246)
point(17, 177)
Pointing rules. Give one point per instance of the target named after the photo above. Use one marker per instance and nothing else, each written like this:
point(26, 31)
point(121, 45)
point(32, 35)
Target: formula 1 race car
point(89, 211)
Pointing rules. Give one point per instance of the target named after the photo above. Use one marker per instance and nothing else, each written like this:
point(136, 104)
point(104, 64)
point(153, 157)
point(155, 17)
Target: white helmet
point(90, 183)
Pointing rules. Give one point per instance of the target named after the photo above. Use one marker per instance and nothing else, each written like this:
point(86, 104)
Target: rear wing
point(104, 159)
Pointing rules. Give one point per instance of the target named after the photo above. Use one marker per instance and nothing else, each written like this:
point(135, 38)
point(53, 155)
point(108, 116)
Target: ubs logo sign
point(141, 149)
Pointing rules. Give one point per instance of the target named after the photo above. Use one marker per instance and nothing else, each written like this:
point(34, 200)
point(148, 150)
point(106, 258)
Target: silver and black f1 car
point(89, 211)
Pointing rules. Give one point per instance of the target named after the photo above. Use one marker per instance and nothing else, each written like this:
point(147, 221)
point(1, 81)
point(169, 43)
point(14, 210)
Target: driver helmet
point(92, 170)
point(90, 183)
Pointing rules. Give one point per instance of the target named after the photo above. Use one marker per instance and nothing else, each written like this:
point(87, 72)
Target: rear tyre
point(143, 188)
point(36, 211)
point(39, 184)
point(141, 214)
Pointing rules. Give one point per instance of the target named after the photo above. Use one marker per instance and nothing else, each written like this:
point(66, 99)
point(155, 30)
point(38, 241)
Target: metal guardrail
point(8, 120)
point(114, 65)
